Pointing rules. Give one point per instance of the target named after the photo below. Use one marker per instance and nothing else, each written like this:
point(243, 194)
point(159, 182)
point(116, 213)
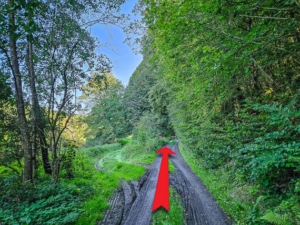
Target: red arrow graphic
point(161, 197)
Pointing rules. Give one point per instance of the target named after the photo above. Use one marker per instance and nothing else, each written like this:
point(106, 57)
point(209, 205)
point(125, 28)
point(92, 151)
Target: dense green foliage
point(221, 76)
point(226, 76)
point(47, 55)
point(44, 203)
point(106, 121)
point(103, 184)
point(81, 200)
point(136, 96)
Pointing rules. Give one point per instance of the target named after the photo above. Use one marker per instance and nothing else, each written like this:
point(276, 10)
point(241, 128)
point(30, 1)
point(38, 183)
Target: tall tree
point(136, 96)
point(106, 120)
point(38, 124)
point(14, 63)
point(50, 42)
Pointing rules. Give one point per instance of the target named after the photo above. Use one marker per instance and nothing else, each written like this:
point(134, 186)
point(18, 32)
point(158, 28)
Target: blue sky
point(123, 59)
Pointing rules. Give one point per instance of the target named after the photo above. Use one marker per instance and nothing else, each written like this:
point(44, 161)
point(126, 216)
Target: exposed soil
point(132, 204)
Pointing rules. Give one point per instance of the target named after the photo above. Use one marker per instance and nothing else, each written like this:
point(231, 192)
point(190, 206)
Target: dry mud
point(132, 203)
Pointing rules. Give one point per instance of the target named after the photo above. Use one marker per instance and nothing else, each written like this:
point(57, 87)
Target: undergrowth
point(46, 202)
point(118, 162)
point(105, 183)
point(82, 199)
point(250, 161)
point(174, 217)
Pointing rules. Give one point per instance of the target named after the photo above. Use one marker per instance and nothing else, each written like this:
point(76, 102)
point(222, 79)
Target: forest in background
point(221, 76)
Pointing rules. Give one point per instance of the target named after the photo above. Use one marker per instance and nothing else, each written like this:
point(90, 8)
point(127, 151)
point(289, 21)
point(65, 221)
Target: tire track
point(199, 205)
point(132, 204)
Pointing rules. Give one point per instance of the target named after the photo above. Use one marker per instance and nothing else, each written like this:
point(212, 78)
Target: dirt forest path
point(132, 204)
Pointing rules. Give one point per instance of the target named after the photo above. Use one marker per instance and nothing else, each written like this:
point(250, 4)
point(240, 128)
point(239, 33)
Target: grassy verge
point(235, 199)
point(103, 184)
point(174, 217)
point(118, 161)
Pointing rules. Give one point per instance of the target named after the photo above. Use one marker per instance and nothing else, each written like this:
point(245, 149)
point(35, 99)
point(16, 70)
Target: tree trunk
point(34, 150)
point(37, 115)
point(33, 124)
point(45, 156)
point(19, 98)
point(55, 159)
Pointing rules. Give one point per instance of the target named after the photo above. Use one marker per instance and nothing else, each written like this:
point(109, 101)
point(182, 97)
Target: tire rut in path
point(135, 204)
point(199, 205)
point(135, 199)
point(114, 214)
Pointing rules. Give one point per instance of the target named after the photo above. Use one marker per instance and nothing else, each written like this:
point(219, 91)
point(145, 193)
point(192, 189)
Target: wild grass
point(83, 198)
point(125, 141)
point(118, 162)
point(104, 184)
point(174, 217)
point(98, 150)
point(235, 199)
point(172, 142)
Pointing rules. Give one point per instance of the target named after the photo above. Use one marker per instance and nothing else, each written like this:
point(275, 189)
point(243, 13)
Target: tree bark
point(33, 123)
point(55, 159)
point(34, 150)
point(28, 176)
point(39, 124)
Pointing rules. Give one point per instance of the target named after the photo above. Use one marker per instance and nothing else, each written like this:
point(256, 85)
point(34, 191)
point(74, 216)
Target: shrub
point(272, 157)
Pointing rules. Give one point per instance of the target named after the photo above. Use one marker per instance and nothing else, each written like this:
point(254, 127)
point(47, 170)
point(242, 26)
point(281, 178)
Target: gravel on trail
point(132, 203)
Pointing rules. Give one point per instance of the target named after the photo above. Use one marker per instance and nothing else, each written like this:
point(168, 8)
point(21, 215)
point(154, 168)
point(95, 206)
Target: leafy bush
point(146, 139)
point(148, 127)
point(262, 144)
point(287, 213)
point(272, 157)
point(258, 145)
point(216, 144)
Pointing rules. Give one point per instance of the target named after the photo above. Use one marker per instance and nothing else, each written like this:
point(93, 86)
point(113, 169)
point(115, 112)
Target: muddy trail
point(132, 203)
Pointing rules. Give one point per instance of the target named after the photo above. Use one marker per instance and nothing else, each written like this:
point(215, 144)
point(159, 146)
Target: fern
point(276, 218)
point(296, 213)
point(291, 217)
